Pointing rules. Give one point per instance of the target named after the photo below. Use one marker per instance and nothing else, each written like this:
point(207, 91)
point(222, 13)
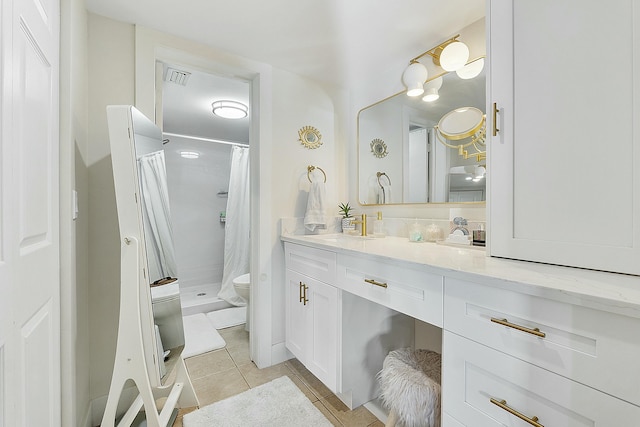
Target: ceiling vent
point(177, 76)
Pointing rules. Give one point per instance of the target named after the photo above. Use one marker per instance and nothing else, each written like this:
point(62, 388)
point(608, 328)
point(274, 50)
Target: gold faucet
point(363, 223)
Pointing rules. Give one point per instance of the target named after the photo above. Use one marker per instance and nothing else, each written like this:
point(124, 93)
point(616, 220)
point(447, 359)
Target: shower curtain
point(236, 238)
point(158, 234)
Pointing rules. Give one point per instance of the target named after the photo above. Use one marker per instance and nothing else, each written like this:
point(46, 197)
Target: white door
point(29, 236)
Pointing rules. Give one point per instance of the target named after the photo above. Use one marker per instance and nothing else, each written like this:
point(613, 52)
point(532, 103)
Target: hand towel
point(314, 218)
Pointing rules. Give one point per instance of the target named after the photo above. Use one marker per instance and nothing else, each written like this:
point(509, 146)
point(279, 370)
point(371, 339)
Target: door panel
point(29, 215)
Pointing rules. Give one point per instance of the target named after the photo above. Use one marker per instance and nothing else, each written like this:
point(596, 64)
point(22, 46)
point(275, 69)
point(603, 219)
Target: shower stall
point(198, 176)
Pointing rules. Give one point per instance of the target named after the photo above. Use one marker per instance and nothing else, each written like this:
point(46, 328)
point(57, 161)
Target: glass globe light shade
point(431, 90)
point(471, 70)
point(431, 95)
point(414, 77)
point(454, 56)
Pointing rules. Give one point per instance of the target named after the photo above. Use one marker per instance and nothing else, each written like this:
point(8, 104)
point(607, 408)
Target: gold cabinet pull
point(305, 300)
point(373, 282)
point(505, 322)
point(495, 117)
point(301, 289)
point(503, 405)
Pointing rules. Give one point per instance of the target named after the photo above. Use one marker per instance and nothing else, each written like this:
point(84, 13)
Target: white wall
point(193, 184)
point(301, 102)
point(74, 233)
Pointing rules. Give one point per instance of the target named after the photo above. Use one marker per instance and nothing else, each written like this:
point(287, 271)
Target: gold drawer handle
point(495, 118)
point(373, 282)
point(503, 404)
point(303, 293)
point(505, 322)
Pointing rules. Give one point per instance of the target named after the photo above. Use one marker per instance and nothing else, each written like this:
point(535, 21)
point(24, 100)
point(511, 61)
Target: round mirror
point(461, 123)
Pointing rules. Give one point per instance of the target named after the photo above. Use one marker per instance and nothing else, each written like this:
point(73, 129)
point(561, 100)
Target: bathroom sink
point(334, 238)
point(326, 237)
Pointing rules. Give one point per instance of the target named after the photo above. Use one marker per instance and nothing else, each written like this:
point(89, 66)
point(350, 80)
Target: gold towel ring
point(310, 168)
point(379, 174)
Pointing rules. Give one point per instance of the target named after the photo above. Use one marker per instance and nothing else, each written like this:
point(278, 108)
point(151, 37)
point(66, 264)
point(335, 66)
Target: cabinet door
point(311, 331)
point(295, 328)
point(565, 164)
point(322, 337)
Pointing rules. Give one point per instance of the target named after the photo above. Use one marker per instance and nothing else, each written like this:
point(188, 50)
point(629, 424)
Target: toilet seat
point(243, 281)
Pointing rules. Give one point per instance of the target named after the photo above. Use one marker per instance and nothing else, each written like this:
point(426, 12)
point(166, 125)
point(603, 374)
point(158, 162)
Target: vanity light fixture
point(229, 109)
point(451, 55)
point(431, 90)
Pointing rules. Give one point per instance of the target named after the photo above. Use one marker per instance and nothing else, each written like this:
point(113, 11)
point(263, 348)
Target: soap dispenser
point(378, 226)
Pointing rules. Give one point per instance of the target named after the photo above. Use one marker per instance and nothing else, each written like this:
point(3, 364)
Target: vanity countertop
point(607, 291)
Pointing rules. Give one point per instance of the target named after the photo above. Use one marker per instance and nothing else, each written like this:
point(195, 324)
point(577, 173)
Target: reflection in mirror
point(158, 238)
point(422, 169)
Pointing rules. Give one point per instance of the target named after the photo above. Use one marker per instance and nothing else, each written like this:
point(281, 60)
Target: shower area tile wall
point(197, 193)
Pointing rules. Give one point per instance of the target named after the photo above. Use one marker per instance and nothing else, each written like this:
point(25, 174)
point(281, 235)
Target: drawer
point(316, 263)
point(593, 347)
point(410, 291)
point(473, 374)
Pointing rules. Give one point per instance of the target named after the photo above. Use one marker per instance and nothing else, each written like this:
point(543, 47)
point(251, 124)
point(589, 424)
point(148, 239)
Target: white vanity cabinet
point(312, 312)
point(339, 336)
point(563, 363)
point(564, 164)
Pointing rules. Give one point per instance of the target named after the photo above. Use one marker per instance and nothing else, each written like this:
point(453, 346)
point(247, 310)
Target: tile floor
point(229, 371)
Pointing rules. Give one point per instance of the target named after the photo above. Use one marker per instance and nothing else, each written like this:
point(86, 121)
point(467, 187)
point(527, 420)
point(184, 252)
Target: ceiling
point(340, 42)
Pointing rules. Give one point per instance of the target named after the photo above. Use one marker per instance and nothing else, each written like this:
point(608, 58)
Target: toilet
point(167, 314)
point(242, 286)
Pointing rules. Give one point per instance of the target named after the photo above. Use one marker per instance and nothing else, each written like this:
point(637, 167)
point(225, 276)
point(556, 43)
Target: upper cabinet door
point(564, 182)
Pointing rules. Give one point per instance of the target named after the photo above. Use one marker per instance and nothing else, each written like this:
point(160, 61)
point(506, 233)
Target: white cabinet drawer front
point(313, 262)
point(594, 347)
point(474, 374)
point(409, 291)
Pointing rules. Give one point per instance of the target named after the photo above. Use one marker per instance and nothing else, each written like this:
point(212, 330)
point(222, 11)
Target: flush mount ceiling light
point(414, 77)
point(190, 154)
point(431, 90)
point(471, 70)
point(229, 109)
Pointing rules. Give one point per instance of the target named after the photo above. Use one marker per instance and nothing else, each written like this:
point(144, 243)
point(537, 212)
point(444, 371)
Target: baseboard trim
point(279, 353)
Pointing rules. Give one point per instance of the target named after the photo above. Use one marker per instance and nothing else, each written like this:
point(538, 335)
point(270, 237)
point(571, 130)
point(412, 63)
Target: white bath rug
point(200, 335)
point(228, 317)
point(278, 403)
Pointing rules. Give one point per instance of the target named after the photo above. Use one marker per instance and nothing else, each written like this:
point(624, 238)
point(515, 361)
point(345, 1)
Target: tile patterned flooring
point(229, 371)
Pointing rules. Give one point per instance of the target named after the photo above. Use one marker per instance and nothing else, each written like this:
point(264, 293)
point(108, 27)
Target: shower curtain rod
point(220, 141)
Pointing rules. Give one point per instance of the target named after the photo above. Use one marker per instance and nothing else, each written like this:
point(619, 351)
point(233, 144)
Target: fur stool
point(410, 387)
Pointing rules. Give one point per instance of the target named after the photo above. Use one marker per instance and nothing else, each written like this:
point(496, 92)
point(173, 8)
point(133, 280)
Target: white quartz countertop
point(607, 291)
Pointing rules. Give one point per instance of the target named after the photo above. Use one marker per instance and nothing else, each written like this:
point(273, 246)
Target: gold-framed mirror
point(422, 168)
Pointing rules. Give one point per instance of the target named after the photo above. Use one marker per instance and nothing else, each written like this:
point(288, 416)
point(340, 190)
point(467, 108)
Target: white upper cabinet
point(564, 182)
